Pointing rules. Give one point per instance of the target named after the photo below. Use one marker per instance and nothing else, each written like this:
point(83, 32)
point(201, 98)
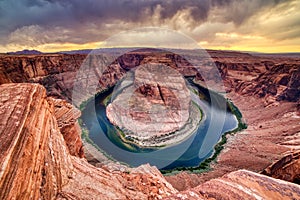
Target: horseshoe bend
point(46, 153)
point(155, 108)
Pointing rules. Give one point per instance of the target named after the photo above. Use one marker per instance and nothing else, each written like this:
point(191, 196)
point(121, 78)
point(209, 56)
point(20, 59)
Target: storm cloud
point(18, 13)
point(75, 21)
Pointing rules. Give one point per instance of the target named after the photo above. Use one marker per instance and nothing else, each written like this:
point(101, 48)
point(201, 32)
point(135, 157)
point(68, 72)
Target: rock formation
point(34, 159)
point(66, 116)
point(273, 78)
point(35, 162)
point(241, 184)
point(55, 72)
point(150, 105)
point(286, 168)
point(38, 135)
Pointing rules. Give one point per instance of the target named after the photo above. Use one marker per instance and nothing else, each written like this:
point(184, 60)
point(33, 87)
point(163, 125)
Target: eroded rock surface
point(272, 78)
point(34, 159)
point(264, 85)
point(241, 184)
point(66, 115)
point(286, 168)
point(152, 102)
point(36, 164)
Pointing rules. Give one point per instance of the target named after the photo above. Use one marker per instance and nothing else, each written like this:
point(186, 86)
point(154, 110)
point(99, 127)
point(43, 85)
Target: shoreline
point(193, 121)
point(253, 148)
point(203, 166)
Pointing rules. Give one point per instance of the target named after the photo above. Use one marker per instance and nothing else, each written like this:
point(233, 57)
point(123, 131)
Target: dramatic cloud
point(76, 23)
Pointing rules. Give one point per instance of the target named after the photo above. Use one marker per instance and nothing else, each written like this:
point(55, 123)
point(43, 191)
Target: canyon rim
point(195, 99)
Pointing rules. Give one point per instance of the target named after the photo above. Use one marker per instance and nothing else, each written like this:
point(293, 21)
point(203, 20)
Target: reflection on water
point(191, 152)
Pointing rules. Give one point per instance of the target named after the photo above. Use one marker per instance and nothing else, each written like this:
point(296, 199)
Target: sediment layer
point(36, 163)
point(150, 104)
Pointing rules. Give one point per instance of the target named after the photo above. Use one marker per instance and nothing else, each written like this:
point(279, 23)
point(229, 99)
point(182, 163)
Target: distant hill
point(277, 54)
point(100, 50)
point(25, 52)
point(211, 52)
point(81, 51)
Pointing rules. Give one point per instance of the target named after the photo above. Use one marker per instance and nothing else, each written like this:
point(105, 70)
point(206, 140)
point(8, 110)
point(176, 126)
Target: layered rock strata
point(241, 184)
point(256, 84)
point(34, 159)
point(149, 104)
point(35, 162)
point(271, 78)
point(286, 168)
point(66, 116)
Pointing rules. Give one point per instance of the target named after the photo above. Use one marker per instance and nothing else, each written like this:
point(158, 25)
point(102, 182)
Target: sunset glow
point(52, 26)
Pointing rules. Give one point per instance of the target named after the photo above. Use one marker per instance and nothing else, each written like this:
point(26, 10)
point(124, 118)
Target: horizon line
point(91, 49)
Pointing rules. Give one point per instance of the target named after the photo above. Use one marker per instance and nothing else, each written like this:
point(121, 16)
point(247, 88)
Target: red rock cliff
point(36, 164)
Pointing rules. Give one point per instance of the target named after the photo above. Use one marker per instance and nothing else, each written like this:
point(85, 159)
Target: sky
point(245, 25)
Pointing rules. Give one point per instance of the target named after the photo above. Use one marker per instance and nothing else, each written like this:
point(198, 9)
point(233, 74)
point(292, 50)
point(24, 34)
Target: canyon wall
point(286, 168)
point(66, 116)
point(241, 184)
point(271, 78)
point(36, 164)
point(42, 155)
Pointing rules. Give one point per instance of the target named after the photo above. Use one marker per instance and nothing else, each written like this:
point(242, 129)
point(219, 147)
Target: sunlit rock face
point(241, 184)
point(150, 102)
point(35, 162)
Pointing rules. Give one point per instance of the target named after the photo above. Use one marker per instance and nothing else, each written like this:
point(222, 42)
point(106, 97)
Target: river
point(188, 153)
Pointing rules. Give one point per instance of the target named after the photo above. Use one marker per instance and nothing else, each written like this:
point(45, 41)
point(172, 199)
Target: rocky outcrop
point(56, 72)
point(279, 82)
point(241, 184)
point(34, 161)
point(89, 182)
point(34, 156)
point(150, 105)
point(287, 168)
point(66, 116)
point(272, 78)
point(269, 78)
point(36, 164)
point(292, 92)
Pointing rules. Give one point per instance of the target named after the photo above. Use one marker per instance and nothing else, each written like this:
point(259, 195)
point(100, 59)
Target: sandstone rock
point(243, 74)
point(292, 92)
point(66, 116)
point(57, 72)
point(287, 168)
point(129, 61)
point(242, 184)
point(153, 102)
point(35, 162)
